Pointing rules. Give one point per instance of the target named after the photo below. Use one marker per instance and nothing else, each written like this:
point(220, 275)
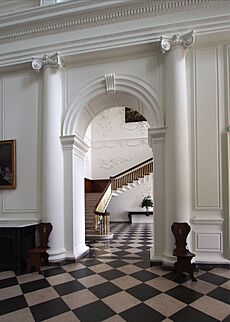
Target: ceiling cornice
point(71, 16)
point(121, 24)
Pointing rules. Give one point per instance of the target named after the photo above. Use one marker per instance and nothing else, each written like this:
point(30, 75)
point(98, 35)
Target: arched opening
point(98, 96)
point(118, 140)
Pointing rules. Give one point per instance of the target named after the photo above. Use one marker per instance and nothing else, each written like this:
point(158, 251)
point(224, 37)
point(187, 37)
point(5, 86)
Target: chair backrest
point(180, 232)
point(44, 230)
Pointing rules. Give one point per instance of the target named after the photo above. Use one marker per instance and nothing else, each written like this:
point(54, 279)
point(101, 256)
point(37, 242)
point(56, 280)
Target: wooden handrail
point(102, 195)
point(102, 217)
point(132, 174)
point(131, 169)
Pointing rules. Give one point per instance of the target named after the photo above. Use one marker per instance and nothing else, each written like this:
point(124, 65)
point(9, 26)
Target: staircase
point(91, 200)
point(99, 192)
point(132, 177)
point(97, 197)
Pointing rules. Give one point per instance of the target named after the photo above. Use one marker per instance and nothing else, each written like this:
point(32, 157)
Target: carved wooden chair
point(38, 256)
point(184, 256)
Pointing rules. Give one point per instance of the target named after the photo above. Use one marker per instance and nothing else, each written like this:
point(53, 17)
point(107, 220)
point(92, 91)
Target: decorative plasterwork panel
point(74, 17)
point(141, 127)
point(104, 123)
point(113, 161)
point(111, 144)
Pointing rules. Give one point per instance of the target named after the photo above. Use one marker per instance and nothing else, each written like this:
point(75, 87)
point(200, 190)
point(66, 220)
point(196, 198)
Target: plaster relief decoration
point(114, 161)
point(111, 144)
point(138, 127)
point(104, 127)
point(39, 62)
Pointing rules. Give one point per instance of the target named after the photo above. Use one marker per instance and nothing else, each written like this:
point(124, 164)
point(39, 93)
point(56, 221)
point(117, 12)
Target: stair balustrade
point(102, 217)
point(132, 174)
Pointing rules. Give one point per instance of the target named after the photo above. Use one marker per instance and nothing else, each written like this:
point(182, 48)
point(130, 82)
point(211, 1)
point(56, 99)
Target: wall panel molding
point(207, 144)
point(208, 241)
point(25, 107)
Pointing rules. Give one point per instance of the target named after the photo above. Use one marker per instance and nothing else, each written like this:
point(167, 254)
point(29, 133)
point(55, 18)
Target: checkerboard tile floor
point(115, 283)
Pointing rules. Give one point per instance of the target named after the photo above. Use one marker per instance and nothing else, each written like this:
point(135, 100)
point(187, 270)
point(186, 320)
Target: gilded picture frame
point(8, 164)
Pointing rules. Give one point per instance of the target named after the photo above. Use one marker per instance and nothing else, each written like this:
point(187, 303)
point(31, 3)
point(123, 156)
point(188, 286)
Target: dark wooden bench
point(135, 213)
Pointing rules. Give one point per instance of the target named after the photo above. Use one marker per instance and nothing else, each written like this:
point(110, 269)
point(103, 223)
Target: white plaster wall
point(20, 112)
point(14, 6)
point(88, 158)
point(116, 145)
point(145, 66)
point(208, 124)
point(130, 200)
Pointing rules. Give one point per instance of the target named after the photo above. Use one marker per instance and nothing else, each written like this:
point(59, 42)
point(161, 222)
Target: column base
point(166, 261)
point(80, 251)
point(57, 255)
point(215, 260)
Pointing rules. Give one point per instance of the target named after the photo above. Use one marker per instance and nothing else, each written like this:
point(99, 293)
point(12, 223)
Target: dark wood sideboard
point(134, 213)
point(15, 239)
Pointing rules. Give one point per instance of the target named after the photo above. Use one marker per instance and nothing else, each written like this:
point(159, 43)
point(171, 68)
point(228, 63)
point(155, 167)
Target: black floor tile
point(126, 247)
point(143, 292)
point(53, 271)
point(212, 278)
point(91, 262)
point(142, 313)
point(180, 280)
point(8, 282)
point(189, 314)
point(104, 289)
point(117, 263)
point(143, 263)
point(112, 274)
point(49, 309)
point(94, 312)
point(184, 294)
point(68, 287)
point(121, 253)
point(221, 294)
point(83, 272)
point(34, 285)
point(12, 304)
point(227, 319)
point(144, 275)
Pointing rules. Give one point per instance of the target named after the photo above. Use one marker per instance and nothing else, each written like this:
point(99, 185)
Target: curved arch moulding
point(127, 84)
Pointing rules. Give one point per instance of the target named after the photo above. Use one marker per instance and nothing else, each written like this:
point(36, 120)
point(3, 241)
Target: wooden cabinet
point(15, 240)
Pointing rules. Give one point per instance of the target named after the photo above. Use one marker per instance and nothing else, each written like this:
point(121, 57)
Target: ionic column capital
point(47, 61)
point(177, 40)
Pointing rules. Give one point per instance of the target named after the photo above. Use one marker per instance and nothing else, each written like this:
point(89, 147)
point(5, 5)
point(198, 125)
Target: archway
point(101, 93)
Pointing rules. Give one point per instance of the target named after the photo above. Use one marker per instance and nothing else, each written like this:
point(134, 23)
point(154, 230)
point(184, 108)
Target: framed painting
point(8, 164)
point(133, 116)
